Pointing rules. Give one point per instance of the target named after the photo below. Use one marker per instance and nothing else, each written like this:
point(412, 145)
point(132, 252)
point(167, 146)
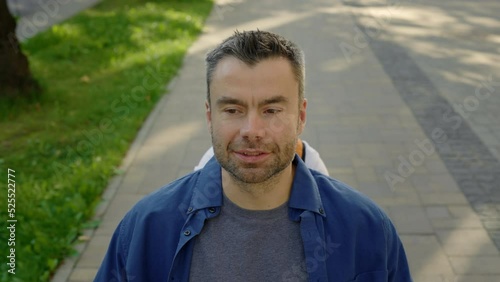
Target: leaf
point(85, 79)
point(83, 238)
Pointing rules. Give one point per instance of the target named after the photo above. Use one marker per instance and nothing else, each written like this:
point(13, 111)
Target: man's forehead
point(255, 84)
point(266, 100)
point(228, 64)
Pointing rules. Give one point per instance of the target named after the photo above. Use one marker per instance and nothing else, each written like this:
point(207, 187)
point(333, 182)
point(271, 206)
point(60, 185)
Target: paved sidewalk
point(377, 78)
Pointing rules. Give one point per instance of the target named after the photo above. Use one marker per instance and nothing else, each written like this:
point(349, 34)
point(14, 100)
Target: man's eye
point(231, 111)
point(272, 111)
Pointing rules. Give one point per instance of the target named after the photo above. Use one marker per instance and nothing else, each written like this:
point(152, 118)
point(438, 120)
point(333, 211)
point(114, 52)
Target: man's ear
point(208, 114)
point(302, 115)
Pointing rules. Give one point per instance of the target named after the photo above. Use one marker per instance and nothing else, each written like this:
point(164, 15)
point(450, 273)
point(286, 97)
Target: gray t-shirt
point(247, 245)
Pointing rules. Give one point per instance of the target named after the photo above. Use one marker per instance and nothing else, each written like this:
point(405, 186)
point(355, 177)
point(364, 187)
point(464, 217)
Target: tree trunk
point(15, 75)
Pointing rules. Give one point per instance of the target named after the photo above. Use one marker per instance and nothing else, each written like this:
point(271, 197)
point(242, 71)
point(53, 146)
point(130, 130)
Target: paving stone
point(117, 209)
point(434, 212)
point(410, 220)
point(456, 223)
point(425, 256)
point(369, 133)
point(83, 274)
point(329, 150)
point(429, 107)
point(347, 178)
point(340, 170)
point(184, 171)
point(466, 242)
point(435, 166)
point(362, 116)
point(337, 161)
point(132, 180)
point(107, 228)
point(374, 189)
point(475, 278)
point(371, 150)
point(366, 174)
point(456, 278)
point(397, 201)
point(447, 198)
point(120, 204)
point(432, 184)
point(149, 155)
point(364, 162)
point(476, 264)
point(158, 177)
point(94, 252)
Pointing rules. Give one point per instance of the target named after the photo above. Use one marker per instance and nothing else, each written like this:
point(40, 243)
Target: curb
point(65, 270)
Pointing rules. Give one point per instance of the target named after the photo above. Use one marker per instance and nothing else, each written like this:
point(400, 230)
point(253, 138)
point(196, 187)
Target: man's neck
point(262, 196)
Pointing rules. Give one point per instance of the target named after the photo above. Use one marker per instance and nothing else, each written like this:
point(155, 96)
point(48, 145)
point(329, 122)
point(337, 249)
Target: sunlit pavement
point(403, 105)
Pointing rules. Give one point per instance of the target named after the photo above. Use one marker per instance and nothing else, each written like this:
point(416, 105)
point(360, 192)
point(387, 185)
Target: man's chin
point(252, 175)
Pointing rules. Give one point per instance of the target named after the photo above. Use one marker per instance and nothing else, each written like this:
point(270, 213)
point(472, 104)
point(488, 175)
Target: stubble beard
point(250, 174)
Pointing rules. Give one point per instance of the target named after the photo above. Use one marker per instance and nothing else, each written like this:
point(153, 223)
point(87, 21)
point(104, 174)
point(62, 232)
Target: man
point(306, 152)
point(255, 212)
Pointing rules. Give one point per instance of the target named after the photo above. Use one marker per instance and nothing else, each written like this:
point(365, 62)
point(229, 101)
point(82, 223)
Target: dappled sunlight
point(163, 143)
point(334, 10)
point(212, 36)
point(478, 58)
point(466, 77)
point(149, 54)
point(434, 265)
point(463, 244)
point(352, 100)
point(67, 30)
point(175, 134)
point(455, 44)
point(416, 31)
point(418, 26)
point(484, 21)
point(340, 64)
point(469, 242)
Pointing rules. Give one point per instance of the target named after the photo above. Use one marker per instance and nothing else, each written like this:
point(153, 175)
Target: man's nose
point(254, 127)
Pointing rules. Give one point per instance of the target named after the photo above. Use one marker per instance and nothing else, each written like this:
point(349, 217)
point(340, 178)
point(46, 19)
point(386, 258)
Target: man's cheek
point(281, 123)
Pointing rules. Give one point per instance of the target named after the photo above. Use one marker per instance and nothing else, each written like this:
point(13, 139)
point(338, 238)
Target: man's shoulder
point(343, 200)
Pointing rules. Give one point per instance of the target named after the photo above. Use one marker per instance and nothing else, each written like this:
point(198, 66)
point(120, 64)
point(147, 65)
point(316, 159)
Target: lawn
point(102, 72)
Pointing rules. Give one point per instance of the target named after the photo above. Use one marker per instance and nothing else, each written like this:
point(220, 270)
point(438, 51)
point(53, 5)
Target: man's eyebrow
point(274, 100)
point(224, 100)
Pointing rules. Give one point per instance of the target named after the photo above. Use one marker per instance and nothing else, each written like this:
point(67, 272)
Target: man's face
point(254, 117)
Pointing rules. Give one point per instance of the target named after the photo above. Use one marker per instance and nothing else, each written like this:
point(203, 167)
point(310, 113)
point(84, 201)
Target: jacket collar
point(208, 188)
point(304, 195)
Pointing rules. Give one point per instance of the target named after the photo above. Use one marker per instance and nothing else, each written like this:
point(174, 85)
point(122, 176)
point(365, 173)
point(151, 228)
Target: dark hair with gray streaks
point(252, 47)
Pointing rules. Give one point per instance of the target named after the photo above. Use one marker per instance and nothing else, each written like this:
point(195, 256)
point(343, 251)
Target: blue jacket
point(346, 236)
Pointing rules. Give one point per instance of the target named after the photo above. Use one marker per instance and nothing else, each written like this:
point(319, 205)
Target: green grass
point(66, 145)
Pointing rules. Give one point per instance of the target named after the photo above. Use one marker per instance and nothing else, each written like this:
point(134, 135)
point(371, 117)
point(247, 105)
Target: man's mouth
point(251, 155)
